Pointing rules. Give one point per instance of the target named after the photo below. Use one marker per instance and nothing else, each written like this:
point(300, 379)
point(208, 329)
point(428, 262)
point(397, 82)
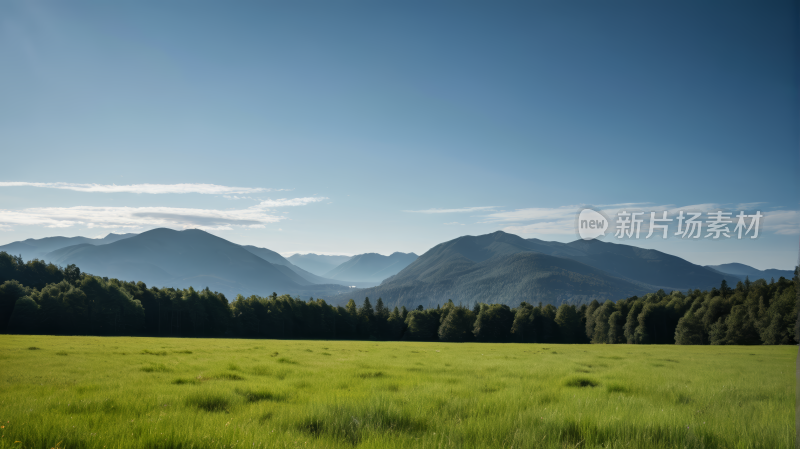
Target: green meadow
point(120, 392)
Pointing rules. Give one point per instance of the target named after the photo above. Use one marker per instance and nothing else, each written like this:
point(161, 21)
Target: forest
point(41, 298)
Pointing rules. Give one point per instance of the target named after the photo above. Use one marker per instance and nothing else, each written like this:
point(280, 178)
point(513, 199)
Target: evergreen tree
point(457, 326)
point(616, 323)
point(690, 330)
point(569, 324)
point(740, 329)
point(590, 322)
point(494, 323)
point(10, 292)
point(600, 333)
point(632, 321)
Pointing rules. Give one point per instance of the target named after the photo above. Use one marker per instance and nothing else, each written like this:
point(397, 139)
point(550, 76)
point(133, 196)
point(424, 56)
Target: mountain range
point(318, 264)
point(505, 268)
point(744, 271)
point(275, 258)
point(37, 248)
point(494, 268)
point(167, 258)
point(372, 267)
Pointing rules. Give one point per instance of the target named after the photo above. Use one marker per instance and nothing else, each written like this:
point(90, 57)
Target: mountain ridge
point(455, 267)
point(169, 258)
point(318, 264)
point(37, 248)
point(372, 267)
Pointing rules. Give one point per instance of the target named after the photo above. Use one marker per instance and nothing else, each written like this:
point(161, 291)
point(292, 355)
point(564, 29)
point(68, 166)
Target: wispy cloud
point(452, 211)
point(785, 222)
point(545, 228)
point(137, 217)
point(534, 214)
point(283, 202)
point(147, 217)
point(749, 206)
point(561, 220)
point(206, 189)
point(454, 223)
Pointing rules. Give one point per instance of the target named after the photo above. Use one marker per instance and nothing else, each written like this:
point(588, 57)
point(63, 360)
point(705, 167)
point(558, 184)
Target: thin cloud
point(561, 220)
point(137, 217)
point(533, 213)
point(283, 202)
point(454, 223)
point(784, 222)
point(148, 217)
point(452, 211)
point(205, 189)
point(550, 227)
point(749, 206)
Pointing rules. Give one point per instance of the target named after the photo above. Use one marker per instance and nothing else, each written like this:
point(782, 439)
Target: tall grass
point(198, 393)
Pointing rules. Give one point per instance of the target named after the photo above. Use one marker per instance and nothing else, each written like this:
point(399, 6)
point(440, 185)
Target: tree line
point(41, 298)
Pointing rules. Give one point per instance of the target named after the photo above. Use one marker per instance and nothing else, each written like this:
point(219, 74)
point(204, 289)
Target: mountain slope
point(317, 263)
point(465, 269)
point(372, 267)
point(275, 258)
point(652, 267)
point(741, 270)
point(505, 279)
point(164, 257)
point(37, 248)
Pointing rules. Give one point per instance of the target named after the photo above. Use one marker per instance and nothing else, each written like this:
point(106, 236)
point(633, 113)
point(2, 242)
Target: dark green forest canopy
point(41, 298)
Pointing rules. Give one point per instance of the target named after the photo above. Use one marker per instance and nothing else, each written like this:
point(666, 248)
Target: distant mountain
point(36, 248)
point(742, 271)
point(167, 258)
point(317, 263)
point(657, 269)
point(506, 268)
point(275, 258)
point(510, 279)
point(372, 267)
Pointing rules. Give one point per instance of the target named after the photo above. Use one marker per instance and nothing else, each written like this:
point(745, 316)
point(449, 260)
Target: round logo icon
point(591, 224)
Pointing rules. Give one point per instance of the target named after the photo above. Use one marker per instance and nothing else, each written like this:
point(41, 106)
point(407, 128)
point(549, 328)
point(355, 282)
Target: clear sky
point(349, 127)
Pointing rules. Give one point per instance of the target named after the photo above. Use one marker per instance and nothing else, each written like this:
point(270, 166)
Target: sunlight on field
point(94, 392)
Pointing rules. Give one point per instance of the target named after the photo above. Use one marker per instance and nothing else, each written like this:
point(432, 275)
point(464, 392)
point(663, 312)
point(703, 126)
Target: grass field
point(93, 392)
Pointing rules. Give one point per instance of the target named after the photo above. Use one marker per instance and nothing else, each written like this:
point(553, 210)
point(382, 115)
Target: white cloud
point(268, 204)
point(137, 217)
point(454, 223)
point(451, 211)
point(784, 222)
point(561, 220)
point(748, 206)
point(206, 189)
point(147, 217)
point(535, 213)
point(234, 197)
point(548, 227)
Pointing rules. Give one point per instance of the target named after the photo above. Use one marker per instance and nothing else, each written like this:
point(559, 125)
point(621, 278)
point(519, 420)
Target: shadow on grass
point(149, 352)
point(580, 381)
point(588, 434)
point(156, 368)
point(351, 425)
point(259, 395)
point(209, 402)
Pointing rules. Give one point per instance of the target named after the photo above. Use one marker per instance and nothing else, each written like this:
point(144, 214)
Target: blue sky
point(352, 127)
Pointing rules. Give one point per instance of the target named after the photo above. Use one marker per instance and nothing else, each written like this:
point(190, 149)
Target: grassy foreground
point(93, 392)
